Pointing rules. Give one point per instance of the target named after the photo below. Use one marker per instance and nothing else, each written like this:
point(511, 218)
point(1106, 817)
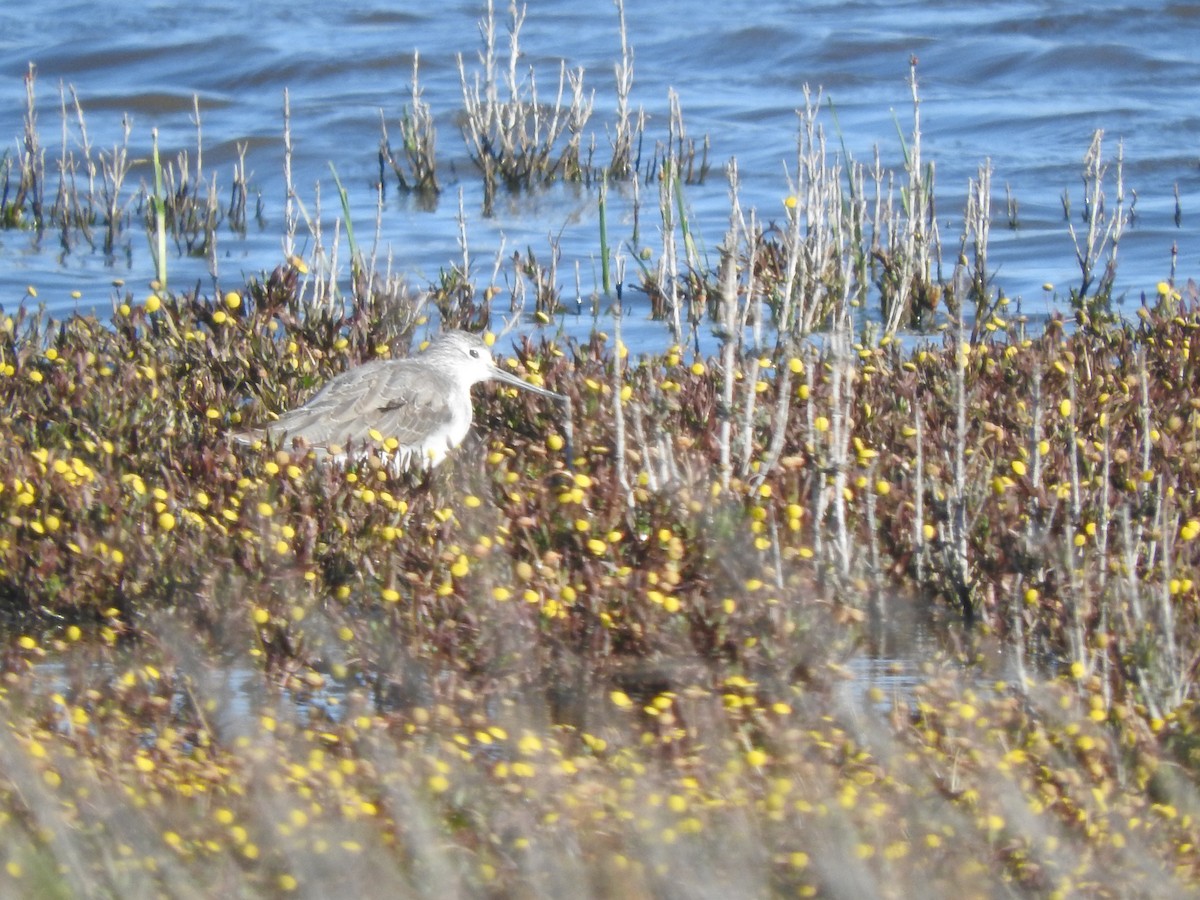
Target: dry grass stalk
point(1103, 236)
point(418, 136)
point(622, 163)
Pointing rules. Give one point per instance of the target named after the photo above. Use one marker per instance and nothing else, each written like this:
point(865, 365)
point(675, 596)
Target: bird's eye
point(474, 353)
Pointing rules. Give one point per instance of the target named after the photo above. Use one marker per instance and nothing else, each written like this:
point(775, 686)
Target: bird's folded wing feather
point(415, 411)
point(383, 396)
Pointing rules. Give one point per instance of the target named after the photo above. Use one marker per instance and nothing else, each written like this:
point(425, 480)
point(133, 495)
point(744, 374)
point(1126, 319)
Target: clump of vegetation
point(637, 667)
point(515, 138)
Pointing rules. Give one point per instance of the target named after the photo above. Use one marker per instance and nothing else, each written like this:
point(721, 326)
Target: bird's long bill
point(500, 375)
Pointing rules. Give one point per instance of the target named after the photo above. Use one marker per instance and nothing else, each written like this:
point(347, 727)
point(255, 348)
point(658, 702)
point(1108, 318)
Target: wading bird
point(418, 408)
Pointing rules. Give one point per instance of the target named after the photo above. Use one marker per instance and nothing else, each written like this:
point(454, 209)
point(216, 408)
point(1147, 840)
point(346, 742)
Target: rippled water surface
point(1021, 83)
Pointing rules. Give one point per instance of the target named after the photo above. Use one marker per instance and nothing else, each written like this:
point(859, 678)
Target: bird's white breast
point(434, 447)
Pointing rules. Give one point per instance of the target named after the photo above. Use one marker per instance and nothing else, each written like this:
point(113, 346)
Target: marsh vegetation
point(637, 671)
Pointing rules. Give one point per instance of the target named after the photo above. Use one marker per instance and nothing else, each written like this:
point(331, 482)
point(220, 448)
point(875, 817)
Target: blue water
point(1021, 83)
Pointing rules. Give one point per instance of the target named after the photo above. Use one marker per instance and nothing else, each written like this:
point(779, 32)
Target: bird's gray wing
point(391, 396)
point(338, 412)
point(415, 409)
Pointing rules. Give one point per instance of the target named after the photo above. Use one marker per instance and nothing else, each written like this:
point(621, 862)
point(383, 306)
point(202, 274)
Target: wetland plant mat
point(636, 672)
